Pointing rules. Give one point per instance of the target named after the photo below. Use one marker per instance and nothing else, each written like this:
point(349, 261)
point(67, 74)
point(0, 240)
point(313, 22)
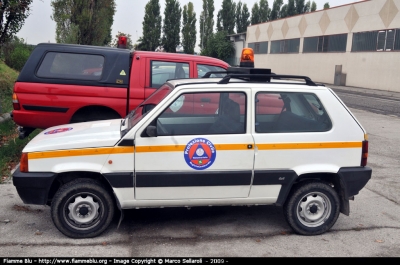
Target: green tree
point(206, 23)
point(313, 6)
point(83, 22)
point(276, 9)
point(16, 52)
point(219, 46)
point(291, 9)
point(300, 6)
point(326, 5)
point(226, 17)
point(129, 43)
point(189, 29)
point(12, 17)
point(255, 14)
point(151, 27)
point(307, 7)
point(172, 25)
point(284, 11)
point(242, 17)
point(265, 11)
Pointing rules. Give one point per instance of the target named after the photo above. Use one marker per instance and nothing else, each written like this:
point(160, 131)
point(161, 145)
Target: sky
point(39, 27)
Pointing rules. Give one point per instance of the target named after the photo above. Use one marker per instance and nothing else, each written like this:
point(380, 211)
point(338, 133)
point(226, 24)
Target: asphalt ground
point(371, 230)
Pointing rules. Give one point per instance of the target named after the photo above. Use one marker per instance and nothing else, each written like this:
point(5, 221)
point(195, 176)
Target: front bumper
point(33, 187)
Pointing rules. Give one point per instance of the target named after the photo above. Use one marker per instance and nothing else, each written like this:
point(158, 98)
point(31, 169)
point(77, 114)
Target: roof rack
point(208, 74)
point(266, 77)
point(257, 77)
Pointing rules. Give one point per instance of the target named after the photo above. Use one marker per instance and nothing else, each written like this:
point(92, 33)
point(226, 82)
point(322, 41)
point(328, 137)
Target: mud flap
point(121, 217)
point(344, 206)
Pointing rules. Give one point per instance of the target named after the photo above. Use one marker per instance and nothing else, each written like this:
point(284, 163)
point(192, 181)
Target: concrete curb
point(5, 117)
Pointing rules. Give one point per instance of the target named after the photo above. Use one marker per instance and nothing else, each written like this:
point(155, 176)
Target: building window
point(330, 43)
point(285, 46)
point(259, 47)
point(381, 40)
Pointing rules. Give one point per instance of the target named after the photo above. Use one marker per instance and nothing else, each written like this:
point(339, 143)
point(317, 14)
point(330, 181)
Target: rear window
point(71, 66)
point(290, 112)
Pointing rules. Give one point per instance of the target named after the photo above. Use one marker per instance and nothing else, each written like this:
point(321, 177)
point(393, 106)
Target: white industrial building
point(355, 45)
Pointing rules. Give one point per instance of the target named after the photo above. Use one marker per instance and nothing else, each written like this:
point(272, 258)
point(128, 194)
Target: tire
point(322, 206)
point(82, 208)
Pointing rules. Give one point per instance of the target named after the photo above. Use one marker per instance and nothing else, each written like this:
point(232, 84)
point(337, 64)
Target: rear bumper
point(33, 187)
point(353, 179)
point(39, 119)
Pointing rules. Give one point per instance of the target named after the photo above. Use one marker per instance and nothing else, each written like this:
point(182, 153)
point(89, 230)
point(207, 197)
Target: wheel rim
point(314, 209)
point(83, 211)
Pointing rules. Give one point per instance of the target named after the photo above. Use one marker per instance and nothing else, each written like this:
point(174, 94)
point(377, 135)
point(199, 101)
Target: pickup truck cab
point(63, 83)
point(239, 140)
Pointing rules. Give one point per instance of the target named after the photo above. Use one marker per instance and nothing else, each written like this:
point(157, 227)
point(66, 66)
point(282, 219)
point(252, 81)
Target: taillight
point(23, 165)
point(15, 102)
point(364, 154)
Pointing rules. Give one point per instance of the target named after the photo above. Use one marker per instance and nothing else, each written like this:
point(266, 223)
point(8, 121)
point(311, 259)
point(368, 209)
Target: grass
point(10, 145)
point(7, 78)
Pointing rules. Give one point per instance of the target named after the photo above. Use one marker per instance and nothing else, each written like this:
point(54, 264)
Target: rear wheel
point(94, 114)
point(312, 208)
point(82, 208)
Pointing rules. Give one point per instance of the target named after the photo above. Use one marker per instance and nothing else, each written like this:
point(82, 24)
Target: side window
point(162, 71)
point(217, 113)
point(202, 69)
point(71, 66)
point(290, 112)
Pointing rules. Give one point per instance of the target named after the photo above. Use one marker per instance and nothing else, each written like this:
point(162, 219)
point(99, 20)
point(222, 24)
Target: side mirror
point(151, 131)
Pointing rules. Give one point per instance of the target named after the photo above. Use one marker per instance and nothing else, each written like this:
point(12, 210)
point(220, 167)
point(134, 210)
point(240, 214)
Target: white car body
point(249, 168)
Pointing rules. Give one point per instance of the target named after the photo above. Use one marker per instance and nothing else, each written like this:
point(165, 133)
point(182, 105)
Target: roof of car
point(84, 47)
point(180, 55)
point(196, 81)
point(159, 55)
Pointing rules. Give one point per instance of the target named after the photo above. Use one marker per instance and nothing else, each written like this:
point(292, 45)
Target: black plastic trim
point(354, 179)
point(120, 179)
point(45, 108)
point(286, 178)
point(33, 187)
point(190, 179)
point(127, 142)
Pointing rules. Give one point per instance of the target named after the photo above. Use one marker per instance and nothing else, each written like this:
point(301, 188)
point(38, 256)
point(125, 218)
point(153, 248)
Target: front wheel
point(312, 208)
point(82, 208)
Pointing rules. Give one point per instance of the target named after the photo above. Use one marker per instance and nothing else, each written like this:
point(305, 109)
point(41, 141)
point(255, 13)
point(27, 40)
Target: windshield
point(138, 114)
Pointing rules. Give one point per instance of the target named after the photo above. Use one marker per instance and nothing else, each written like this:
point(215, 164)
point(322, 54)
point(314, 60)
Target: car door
point(161, 70)
point(196, 154)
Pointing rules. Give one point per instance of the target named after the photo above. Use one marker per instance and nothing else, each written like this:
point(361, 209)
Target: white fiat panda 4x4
point(248, 138)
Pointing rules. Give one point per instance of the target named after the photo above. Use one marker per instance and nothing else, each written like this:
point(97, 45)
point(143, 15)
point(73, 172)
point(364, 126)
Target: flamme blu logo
point(200, 153)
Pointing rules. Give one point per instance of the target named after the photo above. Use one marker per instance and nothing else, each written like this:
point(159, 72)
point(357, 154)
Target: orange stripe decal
point(180, 148)
point(309, 145)
point(81, 152)
point(160, 148)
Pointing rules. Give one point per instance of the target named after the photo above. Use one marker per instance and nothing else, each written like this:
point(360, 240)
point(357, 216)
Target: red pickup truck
point(62, 83)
